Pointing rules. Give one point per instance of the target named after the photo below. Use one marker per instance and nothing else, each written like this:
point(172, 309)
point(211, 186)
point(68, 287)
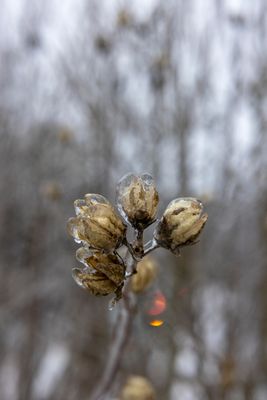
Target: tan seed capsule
point(146, 273)
point(103, 273)
point(137, 388)
point(108, 264)
point(97, 223)
point(137, 199)
point(97, 283)
point(180, 224)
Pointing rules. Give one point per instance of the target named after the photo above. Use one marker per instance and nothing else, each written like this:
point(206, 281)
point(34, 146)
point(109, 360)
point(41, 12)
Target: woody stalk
point(111, 264)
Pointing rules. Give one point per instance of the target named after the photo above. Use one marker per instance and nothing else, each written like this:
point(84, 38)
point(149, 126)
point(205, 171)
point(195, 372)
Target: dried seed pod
point(124, 18)
point(97, 283)
point(102, 274)
point(137, 199)
point(51, 190)
point(108, 264)
point(137, 388)
point(180, 224)
point(97, 224)
point(146, 273)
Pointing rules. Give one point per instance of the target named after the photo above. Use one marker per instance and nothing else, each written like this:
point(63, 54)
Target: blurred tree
point(90, 91)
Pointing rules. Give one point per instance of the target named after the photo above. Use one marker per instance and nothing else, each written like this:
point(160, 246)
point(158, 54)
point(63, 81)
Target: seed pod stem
point(138, 244)
point(136, 249)
point(130, 249)
point(123, 327)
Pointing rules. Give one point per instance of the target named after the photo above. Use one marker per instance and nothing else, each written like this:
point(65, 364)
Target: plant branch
point(123, 325)
point(130, 249)
point(121, 336)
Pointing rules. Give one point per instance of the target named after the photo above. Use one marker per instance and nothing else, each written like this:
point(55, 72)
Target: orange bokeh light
point(158, 305)
point(156, 322)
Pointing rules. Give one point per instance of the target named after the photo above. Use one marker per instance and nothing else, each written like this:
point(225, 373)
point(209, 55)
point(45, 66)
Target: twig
point(124, 321)
point(122, 334)
point(130, 249)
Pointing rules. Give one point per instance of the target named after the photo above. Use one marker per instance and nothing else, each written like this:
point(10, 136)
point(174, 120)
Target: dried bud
point(65, 135)
point(180, 224)
point(103, 44)
point(137, 199)
point(51, 191)
point(124, 19)
point(97, 224)
point(137, 388)
point(146, 273)
point(102, 273)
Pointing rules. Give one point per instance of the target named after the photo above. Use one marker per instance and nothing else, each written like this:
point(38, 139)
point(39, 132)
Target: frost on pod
point(137, 199)
point(96, 223)
point(137, 388)
point(180, 224)
point(146, 274)
point(101, 274)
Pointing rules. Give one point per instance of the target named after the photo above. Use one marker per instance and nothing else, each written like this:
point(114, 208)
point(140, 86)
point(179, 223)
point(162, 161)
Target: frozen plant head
point(181, 224)
point(137, 388)
point(137, 199)
point(96, 224)
point(145, 274)
point(101, 273)
point(101, 231)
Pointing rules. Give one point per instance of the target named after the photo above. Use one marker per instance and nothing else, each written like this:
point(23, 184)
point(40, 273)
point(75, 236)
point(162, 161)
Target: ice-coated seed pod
point(146, 274)
point(97, 283)
point(108, 264)
point(96, 224)
point(181, 224)
point(102, 273)
point(137, 199)
point(137, 388)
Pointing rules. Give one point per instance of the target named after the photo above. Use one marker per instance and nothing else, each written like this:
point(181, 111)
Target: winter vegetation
point(91, 90)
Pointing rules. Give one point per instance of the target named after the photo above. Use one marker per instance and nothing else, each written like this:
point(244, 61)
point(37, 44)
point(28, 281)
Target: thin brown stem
point(130, 249)
point(123, 326)
point(121, 336)
point(138, 244)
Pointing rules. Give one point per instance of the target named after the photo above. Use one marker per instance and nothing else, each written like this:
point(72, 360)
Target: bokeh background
point(91, 90)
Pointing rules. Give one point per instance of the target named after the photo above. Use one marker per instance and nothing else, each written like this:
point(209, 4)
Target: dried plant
point(137, 388)
point(108, 269)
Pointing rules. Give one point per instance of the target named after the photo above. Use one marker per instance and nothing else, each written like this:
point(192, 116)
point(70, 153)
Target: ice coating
point(95, 282)
point(82, 254)
point(72, 227)
point(122, 187)
point(148, 180)
point(92, 198)
point(80, 207)
point(137, 199)
point(181, 224)
point(77, 276)
point(97, 224)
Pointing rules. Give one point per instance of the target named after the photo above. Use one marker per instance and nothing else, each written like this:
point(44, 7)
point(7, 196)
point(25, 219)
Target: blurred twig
point(122, 333)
